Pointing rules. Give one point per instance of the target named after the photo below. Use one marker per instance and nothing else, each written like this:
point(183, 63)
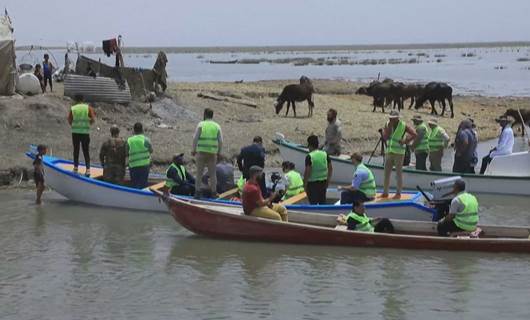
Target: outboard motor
point(442, 195)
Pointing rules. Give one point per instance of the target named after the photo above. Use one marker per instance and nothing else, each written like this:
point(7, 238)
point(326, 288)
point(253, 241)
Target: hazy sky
point(268, 22)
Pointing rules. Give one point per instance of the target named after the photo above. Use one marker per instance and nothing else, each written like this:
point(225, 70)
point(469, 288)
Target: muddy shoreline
point(170, 122)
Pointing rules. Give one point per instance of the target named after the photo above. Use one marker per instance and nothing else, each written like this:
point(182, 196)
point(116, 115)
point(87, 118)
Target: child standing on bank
point(38, 171)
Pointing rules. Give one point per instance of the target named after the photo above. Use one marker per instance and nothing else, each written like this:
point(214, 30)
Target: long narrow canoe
point(493, 183)
point(313, 229)
point(94, 191)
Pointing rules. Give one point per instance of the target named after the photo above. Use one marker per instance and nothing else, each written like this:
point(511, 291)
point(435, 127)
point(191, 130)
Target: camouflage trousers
point(114, 174)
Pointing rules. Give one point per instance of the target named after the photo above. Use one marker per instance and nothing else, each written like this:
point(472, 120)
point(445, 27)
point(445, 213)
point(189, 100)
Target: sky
point(268, 22)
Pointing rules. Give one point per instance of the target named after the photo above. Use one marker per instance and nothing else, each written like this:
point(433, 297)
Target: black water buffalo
point(514, 113)
point(411, 91)
point(383, 93)
point(436, 91)
point(295, 93)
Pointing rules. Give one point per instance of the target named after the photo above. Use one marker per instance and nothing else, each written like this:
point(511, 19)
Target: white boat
point(506, 175)
point(93, 191)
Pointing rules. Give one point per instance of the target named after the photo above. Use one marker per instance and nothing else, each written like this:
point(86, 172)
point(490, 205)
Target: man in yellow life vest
point(80, 118)
point(207, 144)
point(178, 179)
point(397, 134)
point(463, 212)
point(317, 173)
point(357, 220)
point(420, 145)
point(294, 184)
point(363, 183)
point(139, 151)
point(438, 141)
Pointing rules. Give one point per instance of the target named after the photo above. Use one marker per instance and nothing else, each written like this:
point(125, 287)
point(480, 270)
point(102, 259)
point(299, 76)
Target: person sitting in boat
point(178, 179)
point(317, 173)
point(294, 184)
point(363, 183)
point(253, 202)
point(112, 157)
point(357, 220)
point(504, 145)
point(463, 212)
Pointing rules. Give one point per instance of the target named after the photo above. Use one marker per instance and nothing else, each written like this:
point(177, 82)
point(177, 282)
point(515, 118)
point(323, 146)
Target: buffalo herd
point(384, 93)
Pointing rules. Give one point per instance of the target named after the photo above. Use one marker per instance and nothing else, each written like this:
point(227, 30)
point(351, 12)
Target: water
point(468, 75)
point(68, 261)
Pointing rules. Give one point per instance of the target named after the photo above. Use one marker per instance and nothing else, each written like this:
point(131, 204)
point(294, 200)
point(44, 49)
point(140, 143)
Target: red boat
point(318, 229)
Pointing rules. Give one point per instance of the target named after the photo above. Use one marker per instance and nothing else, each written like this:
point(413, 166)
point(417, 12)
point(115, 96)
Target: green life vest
point(467, 219)
point(296, 184)
point(394, 145)
point(181, 171)
point(363, 222)
point(436, 141)
point(241, 184)
point(208, 142)
point(319, 166)
point(423, 146)
point(139, 155)
point(367, 186)
point(80, 119)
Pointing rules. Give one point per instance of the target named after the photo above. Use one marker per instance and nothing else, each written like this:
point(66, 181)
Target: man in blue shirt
point(363, 183)
point(253, 155)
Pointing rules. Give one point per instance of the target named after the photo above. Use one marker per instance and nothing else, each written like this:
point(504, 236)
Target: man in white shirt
point(504, 145)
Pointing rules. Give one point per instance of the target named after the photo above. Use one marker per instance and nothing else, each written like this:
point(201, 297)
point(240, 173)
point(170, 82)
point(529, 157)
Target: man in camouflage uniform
point(112, 157)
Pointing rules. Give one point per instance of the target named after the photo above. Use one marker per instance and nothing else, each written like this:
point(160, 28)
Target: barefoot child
point(38, 172)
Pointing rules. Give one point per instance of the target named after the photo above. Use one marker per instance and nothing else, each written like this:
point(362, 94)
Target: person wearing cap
point(357, 220)
point(420, 145)
point(139, 152)
point(317, 173)
point(333, 134)
point(207, 144)
point(253, 155)
point(294, 183)
point(463, 212)
point(398, 135)
point(363, 184)
point(112, 157)
point(438, 141)
point(504, 144)
point(178, 179)
point(253, 202)
point(465, 148)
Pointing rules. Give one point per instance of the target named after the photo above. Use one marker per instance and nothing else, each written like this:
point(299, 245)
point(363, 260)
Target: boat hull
point(343, 172)
point(213, 223)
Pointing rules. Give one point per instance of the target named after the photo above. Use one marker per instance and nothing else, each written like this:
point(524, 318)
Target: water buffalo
point(383, 93)
point(411, 91)
point(295, 93)
point(436, 91)
point(514, 113)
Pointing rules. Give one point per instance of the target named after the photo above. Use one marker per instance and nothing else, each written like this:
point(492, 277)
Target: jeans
point(421, 160)
point(184, 189)
point(83, 140)
point(445, 227)
point(463, 165)
point(139, 177)
point(316, 192)
point(347, 197)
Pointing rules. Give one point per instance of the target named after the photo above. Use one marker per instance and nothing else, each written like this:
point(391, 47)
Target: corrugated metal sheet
point(96, 89)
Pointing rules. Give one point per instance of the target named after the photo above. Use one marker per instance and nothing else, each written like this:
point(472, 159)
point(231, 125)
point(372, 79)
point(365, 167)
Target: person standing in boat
point(253, 155)
point(112, 157)
point(438, 141)
point(317, 173)
point(420, 145)
point(333, 134)
point(80, 118)
point(178, 179)
point(207, 145)
point(463, 212)
point(294, 184)
point(398, 135)
point(504, 144)
point(465, 148)
point(357, 220)
point(139, 152)
point(253, 202)
point(363, 184)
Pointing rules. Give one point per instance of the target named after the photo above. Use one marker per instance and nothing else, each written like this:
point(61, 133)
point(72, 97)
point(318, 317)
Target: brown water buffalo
point(295, 93)
point(436, 91)
point(514, 113)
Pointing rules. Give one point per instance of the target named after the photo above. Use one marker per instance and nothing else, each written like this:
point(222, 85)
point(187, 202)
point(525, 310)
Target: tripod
point(383, 146)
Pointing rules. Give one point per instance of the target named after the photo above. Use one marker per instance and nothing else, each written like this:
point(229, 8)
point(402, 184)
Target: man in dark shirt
point(317, 173)
point(178, 179)
point(112, 157)
point(253, 155)
point(465, 148)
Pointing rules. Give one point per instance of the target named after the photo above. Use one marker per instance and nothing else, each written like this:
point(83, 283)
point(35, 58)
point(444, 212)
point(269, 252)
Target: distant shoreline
point(306, 48)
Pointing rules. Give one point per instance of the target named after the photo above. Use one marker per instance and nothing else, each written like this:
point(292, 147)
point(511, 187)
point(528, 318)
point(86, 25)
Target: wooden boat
point(317, 229)
point(94, 191)
point(498, 181)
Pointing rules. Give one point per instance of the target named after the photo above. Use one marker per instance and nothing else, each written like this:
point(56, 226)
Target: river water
point(68, 261)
